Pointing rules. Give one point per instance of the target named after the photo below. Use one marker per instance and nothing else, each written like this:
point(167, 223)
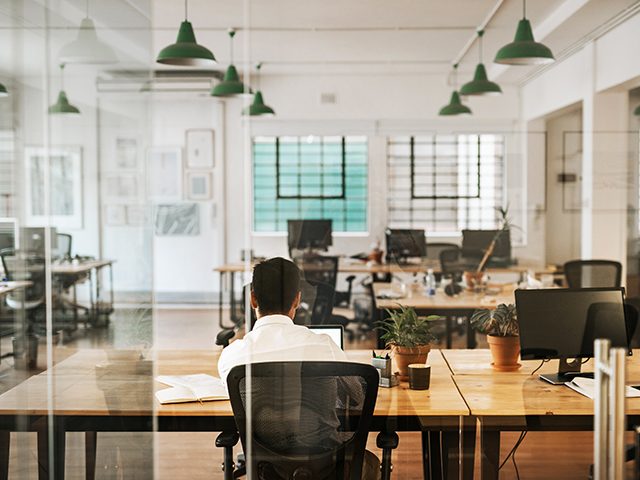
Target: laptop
point(336, 332)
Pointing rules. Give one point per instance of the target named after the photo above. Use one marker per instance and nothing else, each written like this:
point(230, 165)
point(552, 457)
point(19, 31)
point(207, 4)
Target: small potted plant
point(409, 337)
point(501, 327)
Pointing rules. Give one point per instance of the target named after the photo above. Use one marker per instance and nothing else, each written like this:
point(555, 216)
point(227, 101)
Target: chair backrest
point(434, 249)
point(64, 242)
point(316, 304)
point(593, 273)
point(450, 260)
point(25, 266)
point(320, 269)
point(307, 419)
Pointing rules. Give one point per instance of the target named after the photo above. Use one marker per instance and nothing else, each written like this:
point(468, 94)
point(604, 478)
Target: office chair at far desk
point(297, 433)
point(593, 273)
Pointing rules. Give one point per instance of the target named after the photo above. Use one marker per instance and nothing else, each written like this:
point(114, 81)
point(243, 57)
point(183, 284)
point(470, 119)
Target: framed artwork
point(177, 220)
point(126, 157)
point(164, 171)
point(198, 185)
point(62, 166)
point(121, 188)
point(136, 215)
point(115, 215)
point(200, 148)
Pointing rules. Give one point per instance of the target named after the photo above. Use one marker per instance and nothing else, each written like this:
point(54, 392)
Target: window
point(310, 177)
point(445, 183)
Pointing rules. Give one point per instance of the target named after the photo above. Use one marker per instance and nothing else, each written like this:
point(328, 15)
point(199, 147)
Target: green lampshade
point(258, 107)
point(455, 106)
point(186, 52)
point(524, 50)
point(63, 105)
point(3, 91)
point(230, 84)
point(637, 111)
point(480, 85)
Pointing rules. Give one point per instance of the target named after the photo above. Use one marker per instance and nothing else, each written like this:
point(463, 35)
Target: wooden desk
point(519, 401)
point(89, 269)
point(462, 305)
point(8, 287)
point(111, 390)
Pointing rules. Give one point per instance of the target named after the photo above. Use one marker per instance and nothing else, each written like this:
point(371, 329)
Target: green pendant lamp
point(258, 106)
point(186, 52)
point(62, 105)
point(455, 106)
point(87, 47)
point(480, 85)
point(230, 85)
point(524, 50)
point(3, 91)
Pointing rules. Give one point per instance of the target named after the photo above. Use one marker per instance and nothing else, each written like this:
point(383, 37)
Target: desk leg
point(431, 455)
point(471, 333)
point(220, 299)
point(55, 452)
point(90, 446)
point(468, 447)
point(5, 439)
point(449, 334)
point(490, 454)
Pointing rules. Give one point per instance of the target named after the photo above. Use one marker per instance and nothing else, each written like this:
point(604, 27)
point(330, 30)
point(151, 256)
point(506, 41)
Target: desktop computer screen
point(476, 242)
point(302, 234)
point(563, 324)
point(7, 234)
point(402, 244)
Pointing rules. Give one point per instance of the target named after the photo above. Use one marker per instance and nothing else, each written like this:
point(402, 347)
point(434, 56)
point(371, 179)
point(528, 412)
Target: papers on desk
point(191, 388)
point(587, 387)
point(389, 295)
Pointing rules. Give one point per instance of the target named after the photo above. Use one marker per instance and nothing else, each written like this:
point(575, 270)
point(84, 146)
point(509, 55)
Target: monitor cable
point(512, 454)
point(540, 366)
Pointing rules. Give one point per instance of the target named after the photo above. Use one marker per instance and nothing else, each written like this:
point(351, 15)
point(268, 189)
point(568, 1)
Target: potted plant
point(501, 327)
point(474, 279)
point(409, 337)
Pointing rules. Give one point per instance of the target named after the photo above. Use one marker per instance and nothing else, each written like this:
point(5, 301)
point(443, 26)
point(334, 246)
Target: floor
point(193, 456)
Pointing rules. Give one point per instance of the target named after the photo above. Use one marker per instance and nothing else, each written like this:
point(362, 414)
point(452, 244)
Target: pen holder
point(383, 365)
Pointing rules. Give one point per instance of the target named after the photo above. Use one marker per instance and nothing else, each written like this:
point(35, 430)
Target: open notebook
point(587, 387)
point(199, 387)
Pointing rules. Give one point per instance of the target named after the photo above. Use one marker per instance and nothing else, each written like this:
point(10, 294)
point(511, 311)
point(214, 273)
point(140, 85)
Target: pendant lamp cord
point(86, 8)
point(480, 34)
point(524, 8)
point(186, 10)
point(258, 67)
point(62, 76)
point(455, 76)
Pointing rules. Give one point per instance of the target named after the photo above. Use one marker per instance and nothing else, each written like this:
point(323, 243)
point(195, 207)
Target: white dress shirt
point(275, 338)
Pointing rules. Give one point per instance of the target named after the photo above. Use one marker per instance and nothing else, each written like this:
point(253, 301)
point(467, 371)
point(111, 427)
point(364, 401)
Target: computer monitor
point(563, 324)
point(7, 234)
point(476, 242)
point(403, 244)
point(32, 240)
point(309, 234)
point(335, 332)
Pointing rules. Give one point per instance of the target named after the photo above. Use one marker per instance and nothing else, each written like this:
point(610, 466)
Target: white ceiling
point(294, 37)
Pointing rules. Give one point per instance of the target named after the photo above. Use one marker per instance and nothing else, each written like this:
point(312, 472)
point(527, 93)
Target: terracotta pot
point(405, 356)
point(505, 352)
point(473, 279)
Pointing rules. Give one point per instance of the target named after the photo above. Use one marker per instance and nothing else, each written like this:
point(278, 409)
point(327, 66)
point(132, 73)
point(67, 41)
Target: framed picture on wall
point(62, 166)
point(126, 156)
point(177, 220)
point(164, 167)
point(115, 215)
point(198, 185)
point(121, 188)
point(200, 152)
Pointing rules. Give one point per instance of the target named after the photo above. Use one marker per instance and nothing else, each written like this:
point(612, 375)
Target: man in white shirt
point(275, 296)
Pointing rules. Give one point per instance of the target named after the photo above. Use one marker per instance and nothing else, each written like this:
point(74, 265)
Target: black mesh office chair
point(593, 273)
point(309, 420)
point(30, 267)
point(450, 261)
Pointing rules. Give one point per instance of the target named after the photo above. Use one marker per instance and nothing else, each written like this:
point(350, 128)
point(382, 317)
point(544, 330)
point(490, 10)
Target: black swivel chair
point(593, 273)
point(297, 433)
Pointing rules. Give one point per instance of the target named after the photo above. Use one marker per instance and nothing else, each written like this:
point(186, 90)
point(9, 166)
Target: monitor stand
point(566, 372)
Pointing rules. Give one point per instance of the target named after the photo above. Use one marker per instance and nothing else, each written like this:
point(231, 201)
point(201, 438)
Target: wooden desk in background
point(520, 401)
point(111, 390)
point(462, 305)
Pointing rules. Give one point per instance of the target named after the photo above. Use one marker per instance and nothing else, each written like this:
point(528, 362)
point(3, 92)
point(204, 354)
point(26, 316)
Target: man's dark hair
point(275, 284)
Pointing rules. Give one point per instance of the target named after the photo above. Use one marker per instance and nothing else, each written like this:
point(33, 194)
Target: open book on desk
point(199, 387)
point(587, 387)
